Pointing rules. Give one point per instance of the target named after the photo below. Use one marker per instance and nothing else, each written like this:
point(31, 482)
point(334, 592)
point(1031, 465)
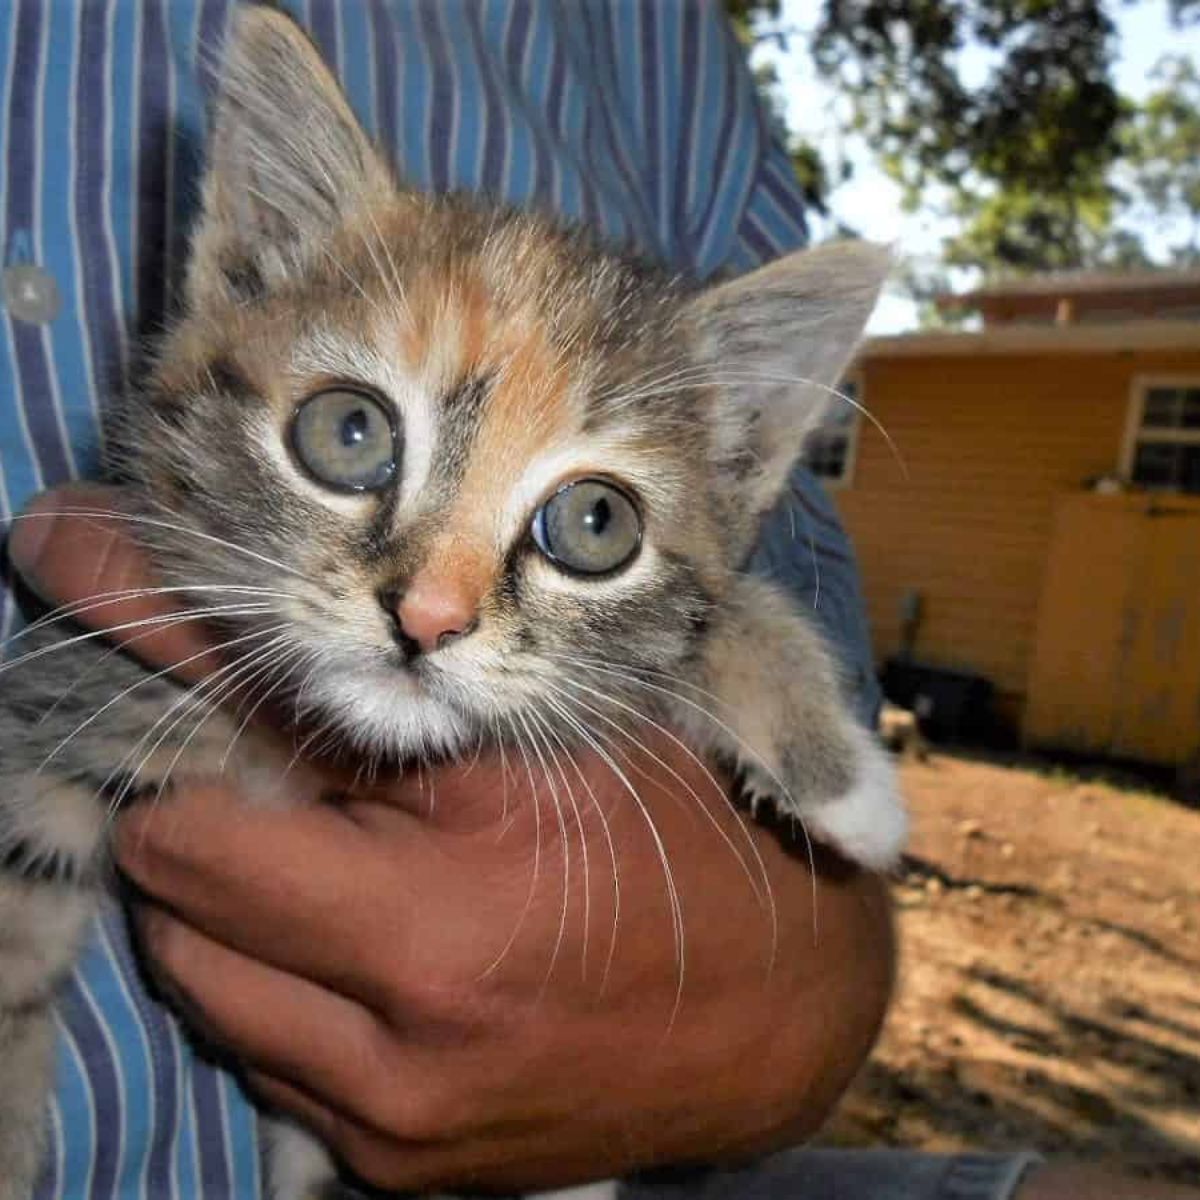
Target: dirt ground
point(1050, 980)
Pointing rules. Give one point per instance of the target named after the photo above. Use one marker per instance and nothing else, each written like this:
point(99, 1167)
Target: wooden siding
point(1116, 663)
point(989, 443)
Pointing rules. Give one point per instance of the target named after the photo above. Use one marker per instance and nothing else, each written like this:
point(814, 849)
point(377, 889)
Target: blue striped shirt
point(639, 117)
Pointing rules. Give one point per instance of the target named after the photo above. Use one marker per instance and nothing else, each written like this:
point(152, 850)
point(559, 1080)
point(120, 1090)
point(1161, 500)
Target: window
point(829, 447)
point(1163, 447)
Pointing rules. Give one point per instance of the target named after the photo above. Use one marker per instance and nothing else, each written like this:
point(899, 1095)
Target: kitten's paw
point(299, 1167)
point(606, 1190)
point(868, 824)
point(759, 790)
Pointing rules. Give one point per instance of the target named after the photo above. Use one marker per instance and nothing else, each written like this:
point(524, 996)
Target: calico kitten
point(431, 466)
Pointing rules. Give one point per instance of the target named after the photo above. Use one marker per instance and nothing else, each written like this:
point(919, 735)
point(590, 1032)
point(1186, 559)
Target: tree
point(746, 14)
point(1019, 157)
point(1002, 115)
point(1159, 172)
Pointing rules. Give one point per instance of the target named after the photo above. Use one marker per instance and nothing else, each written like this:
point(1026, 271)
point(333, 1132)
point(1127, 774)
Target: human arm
point(1078, 1181)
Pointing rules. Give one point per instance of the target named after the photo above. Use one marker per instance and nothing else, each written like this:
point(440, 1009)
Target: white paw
point(868, 824)
point(299, 1167)
point(605, 1190)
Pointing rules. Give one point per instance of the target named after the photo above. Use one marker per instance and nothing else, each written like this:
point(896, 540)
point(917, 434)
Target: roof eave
point(1084, 338)
point(1074, 285)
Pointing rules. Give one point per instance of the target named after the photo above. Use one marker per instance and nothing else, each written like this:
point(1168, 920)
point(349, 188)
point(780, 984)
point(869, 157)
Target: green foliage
point(1018, 229)
point(1014, 141)
point(1160, 146)
point(744, 15)
point(1002, 115)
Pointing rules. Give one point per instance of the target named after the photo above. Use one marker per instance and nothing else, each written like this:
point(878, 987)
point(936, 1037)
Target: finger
point(291, 1028)
point(333, 1128)
point(378, 1158)
point(496, 787)
point(317, 882)
point(512, 1158)
point(302, 874)
point(485, 793)
point(73, 546)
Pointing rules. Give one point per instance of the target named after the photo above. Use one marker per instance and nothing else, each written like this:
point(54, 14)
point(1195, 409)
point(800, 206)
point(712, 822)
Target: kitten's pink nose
point(435, 611)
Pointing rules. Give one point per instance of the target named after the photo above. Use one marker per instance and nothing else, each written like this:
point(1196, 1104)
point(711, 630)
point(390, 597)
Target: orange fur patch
point(525, 415)
point(469, 563)
point(416, 330)
point(475, 324)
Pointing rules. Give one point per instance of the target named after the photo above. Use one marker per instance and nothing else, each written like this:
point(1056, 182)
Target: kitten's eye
point(345, 440)
point(589, 526)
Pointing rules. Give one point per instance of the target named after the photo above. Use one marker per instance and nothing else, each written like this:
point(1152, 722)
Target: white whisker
point(106, 657)
point(574, 724)
point(763, 891)
point(155, 523)
point(251, 663)
point(100, 599)
point(537, 856)
point(285, 668)
point(676, 908)
point(95, 716)
point(547, 730)
point(562, 829)
point(746, 747)
point(162, 620)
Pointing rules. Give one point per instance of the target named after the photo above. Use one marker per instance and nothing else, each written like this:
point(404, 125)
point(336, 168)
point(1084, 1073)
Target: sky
point(870, 202)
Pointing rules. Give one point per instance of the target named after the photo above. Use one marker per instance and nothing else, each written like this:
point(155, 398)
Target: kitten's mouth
point(412, 675)
point(384, 705)
point(407, 674)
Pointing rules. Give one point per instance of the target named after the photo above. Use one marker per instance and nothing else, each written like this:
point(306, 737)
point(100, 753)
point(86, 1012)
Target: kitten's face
point(468, 453)
point(451, 441)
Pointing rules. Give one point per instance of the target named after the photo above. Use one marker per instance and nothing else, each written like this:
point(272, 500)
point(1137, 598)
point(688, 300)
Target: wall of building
point(988, 444)
point(1115, 668)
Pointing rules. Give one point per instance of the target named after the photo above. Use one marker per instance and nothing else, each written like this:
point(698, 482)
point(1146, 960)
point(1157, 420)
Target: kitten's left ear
point(776, 340)
point(287, 160)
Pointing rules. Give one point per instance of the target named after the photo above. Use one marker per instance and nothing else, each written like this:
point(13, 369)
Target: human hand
point(431, 979)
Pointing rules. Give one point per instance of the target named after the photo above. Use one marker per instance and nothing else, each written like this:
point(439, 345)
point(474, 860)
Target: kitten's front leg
point(781, 719)
point(44, 910)
point(78, 728)
point(299, 1167)
point(26, 1071)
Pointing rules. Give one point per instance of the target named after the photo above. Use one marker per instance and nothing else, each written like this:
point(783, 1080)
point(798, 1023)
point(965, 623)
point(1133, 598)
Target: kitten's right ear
point(777, 341)
point(287, 160)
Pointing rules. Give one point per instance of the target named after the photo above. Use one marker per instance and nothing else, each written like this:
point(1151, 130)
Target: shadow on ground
point(1050, 975)
point(970, 1101)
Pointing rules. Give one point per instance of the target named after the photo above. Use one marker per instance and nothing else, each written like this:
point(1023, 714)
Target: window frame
point(850, 463)
point(1139, 388)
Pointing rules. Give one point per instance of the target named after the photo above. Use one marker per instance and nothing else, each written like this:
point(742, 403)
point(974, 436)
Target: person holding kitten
point(335, 952)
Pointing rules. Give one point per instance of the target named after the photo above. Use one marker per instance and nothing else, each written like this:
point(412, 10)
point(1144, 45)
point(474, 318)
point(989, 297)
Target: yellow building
point(1035, 519)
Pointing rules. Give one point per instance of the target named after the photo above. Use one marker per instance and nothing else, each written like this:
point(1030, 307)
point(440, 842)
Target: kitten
point(431, 466)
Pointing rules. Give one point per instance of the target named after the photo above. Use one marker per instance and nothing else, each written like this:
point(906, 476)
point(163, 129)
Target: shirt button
point(31, 294)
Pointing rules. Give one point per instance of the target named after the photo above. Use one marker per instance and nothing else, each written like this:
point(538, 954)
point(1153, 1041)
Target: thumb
point(74, 546)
